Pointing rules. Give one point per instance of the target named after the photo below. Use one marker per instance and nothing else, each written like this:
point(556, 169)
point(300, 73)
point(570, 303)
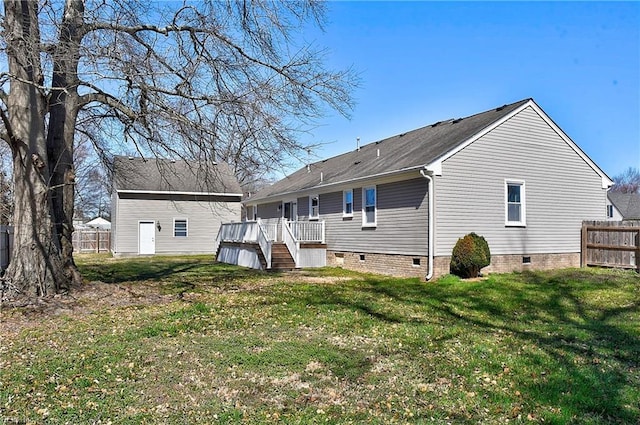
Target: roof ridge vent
point(500, 108)
point(435, 124)
point(401, 134)
point(457, 120)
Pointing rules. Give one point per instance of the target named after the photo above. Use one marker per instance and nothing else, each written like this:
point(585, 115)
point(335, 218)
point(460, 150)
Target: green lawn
point(184, 340)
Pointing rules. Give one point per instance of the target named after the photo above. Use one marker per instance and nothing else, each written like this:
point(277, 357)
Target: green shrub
point(469, 256)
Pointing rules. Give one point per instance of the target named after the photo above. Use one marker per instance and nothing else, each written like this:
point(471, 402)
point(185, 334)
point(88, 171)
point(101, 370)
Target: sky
point(423, 62)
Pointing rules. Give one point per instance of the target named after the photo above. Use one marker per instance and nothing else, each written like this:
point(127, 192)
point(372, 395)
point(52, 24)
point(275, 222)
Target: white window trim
point(254, 212)
point(523, 203)
point(344, 203)
point(186, 220)
point(364, 207)
point(317, 216)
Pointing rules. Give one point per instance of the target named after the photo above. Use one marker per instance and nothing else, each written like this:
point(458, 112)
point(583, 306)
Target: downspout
point(429, 178)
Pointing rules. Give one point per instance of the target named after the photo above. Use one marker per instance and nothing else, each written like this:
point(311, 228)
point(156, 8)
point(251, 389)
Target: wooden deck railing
point(307, 231)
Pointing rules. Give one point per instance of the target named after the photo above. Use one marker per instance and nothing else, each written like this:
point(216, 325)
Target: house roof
point(627, 203)
point(168, 176)
point(426, 146)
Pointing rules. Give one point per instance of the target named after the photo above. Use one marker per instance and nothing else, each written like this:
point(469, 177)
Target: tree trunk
point(36, 267)
point(63, 106)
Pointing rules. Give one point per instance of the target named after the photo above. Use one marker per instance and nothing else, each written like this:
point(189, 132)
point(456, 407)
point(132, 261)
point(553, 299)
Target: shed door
point(146, 237)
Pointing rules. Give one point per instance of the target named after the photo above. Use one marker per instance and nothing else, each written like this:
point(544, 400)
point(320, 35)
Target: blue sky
point(422, 62)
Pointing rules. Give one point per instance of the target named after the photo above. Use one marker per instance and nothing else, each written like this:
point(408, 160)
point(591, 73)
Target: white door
point(147, 237)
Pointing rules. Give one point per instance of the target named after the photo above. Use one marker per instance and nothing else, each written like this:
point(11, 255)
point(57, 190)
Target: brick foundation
point(403, 265)
point(389, 264)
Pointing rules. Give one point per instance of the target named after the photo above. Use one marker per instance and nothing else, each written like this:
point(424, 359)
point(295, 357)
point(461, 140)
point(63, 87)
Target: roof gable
point(168, 176)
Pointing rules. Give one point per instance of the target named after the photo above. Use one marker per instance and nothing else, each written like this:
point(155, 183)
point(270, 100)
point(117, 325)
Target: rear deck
point(276, 247)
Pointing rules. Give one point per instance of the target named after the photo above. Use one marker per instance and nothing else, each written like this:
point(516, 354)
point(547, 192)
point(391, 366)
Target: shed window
point(515, 203)
point(180, 227)
point(369, 206)
point(347, 203)
point(314, 207)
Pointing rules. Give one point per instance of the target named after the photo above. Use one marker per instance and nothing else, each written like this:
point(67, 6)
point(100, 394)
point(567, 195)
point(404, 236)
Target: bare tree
point(91, 183)
point(199, 80)
point(627, 181)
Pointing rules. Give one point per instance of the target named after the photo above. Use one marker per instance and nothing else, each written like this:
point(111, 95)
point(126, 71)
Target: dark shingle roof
point(627, 203)
point(163, 175)
point(405, 151)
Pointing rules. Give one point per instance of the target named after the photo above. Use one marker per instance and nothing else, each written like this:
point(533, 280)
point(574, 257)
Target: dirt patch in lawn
point(98, 296)
point(82, 300)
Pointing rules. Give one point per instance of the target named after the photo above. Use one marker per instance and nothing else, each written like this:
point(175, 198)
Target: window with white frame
point(369, 206)
point(314, 207)
point(347, 203)
point(180, 227)
point(515, 203)
point(254, 212)
point(609, 211)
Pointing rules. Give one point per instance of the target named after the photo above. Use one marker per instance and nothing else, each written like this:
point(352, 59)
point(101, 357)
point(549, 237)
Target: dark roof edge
point(339, 183)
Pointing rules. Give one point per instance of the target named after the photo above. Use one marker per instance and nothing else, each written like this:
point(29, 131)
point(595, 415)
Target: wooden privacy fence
point(611, 244)
point(91, 240)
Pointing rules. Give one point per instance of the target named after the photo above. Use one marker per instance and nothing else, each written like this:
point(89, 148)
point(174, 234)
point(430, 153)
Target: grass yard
point(184, 340)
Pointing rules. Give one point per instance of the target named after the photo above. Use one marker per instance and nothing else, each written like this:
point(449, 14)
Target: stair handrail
point(293, 245)
point(264, 242)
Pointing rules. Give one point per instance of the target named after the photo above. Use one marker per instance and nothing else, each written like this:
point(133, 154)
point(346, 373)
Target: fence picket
point(611, 244)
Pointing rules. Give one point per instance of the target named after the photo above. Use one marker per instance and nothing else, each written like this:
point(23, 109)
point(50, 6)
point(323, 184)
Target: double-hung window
point(180, 227)
point(314, 207)
point(515, 212)
point(369, 212)
point(347, 203)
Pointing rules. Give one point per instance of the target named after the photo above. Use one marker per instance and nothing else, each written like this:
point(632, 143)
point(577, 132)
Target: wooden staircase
point(281, 259)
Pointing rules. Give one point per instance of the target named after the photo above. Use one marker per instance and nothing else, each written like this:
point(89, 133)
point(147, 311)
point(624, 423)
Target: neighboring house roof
point(425, 147)
point(628, 204)
point(167, 176)
point(99, 223)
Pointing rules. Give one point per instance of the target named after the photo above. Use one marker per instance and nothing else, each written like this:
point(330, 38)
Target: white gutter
point(172, 192)
point(424, 174)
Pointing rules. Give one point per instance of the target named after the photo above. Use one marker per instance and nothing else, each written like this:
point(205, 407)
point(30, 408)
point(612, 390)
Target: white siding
point(241, 256)
point(204, 219)
point(561, 190)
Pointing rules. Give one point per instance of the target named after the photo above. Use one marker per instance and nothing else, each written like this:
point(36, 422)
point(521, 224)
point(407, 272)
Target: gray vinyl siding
point(303, 208)
point(402, 220)
point(203, 222)
point(561, 190)
point(270, 211)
